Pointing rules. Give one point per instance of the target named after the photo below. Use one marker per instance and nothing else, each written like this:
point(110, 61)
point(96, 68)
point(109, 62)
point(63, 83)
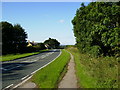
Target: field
point(95, 72)
point(50, 76)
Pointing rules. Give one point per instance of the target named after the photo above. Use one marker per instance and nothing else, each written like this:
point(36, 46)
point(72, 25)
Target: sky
point(43, 20)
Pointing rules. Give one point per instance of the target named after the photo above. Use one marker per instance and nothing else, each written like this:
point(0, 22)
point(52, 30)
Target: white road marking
point(30, 61)
point(37, 58)
point(8, 86)
point(43, 56)
point(32, 74)
point(34, 60)
point(3, 69)
point(46, 64)
point(18, 65)
point(24, 77)
point(8, 66)
point(22, 82)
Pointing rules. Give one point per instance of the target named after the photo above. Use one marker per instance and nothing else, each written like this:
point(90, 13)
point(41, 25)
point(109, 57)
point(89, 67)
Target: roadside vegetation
point(49, 76)
point(94, 72)
point(9, 57)
point(14, 40)
point(97, 29)
point(15, 45)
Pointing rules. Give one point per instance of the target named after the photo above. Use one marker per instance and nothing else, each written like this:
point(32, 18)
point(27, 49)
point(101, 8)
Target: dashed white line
point(8, 66)
point(35, 72)
point(32, 73)
point(43, 56)
point(14, 67)
point(3, 69)
point(46, 64)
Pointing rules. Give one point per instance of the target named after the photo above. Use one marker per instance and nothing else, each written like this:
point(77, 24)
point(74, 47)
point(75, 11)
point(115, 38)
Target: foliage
point(39, 46)
point(98, 24)
point(35, 48)
point(93, 72)
point(13, 38)
point(31, 49)
point(48, 77)
point(95, 51)
point(52, 43)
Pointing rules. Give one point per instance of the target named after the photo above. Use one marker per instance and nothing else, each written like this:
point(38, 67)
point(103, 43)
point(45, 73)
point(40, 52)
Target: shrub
point(95, 51)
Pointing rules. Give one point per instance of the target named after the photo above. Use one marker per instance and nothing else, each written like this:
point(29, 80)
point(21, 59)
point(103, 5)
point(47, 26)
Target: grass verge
point(16, 56)
point(49, 76)
point(95, 72)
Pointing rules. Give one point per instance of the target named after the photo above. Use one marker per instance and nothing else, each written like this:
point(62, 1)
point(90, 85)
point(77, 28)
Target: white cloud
point(61, 21)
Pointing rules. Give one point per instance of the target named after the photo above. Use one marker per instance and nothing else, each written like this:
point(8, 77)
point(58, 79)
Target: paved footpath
point(69, 80)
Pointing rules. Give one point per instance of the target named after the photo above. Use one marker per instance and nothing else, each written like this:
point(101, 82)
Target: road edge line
point(8, 86)
point(46, 64)
point(22, 82)
point(24, 77)
point(36, 71)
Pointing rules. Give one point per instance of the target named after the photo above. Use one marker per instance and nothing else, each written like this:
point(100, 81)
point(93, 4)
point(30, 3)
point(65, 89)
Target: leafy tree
point(42, 46)
point(20, 38)
point(52, 43)
point(13, 38)
point(97, 28)
point(39, 46)
point(7, 37)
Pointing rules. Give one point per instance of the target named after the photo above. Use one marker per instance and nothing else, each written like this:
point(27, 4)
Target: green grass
point(16, 56)
point(95, 72)
point(49, 76)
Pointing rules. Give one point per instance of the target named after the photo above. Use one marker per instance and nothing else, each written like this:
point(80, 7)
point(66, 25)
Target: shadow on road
point(11, 67)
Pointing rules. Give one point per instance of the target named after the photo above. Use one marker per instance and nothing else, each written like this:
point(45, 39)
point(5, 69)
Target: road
point(15, 71)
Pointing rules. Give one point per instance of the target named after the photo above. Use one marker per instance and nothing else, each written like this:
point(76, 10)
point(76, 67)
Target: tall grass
point(48, 77)
point(95, 72)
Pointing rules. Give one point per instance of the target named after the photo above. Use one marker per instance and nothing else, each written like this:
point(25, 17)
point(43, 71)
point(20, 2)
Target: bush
point(95, 51)
point(98, 25)
point(31, 49)
point(102, 72)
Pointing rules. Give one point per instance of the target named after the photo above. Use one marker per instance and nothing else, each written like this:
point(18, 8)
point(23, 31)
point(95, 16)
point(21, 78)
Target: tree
point(7, 38)
point(39, 46)
point(97, 28)
point(52, 43)
point(42, 46)
point(20, 38)
point(13, 38)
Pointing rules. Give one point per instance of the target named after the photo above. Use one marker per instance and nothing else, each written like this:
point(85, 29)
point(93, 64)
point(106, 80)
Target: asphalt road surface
point(15, 71)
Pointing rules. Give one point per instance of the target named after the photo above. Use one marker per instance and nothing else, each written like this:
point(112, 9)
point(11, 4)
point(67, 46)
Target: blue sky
point(42, 20)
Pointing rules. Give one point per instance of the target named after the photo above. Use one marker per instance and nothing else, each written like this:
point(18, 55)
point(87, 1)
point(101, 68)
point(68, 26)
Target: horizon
point(43, 20)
